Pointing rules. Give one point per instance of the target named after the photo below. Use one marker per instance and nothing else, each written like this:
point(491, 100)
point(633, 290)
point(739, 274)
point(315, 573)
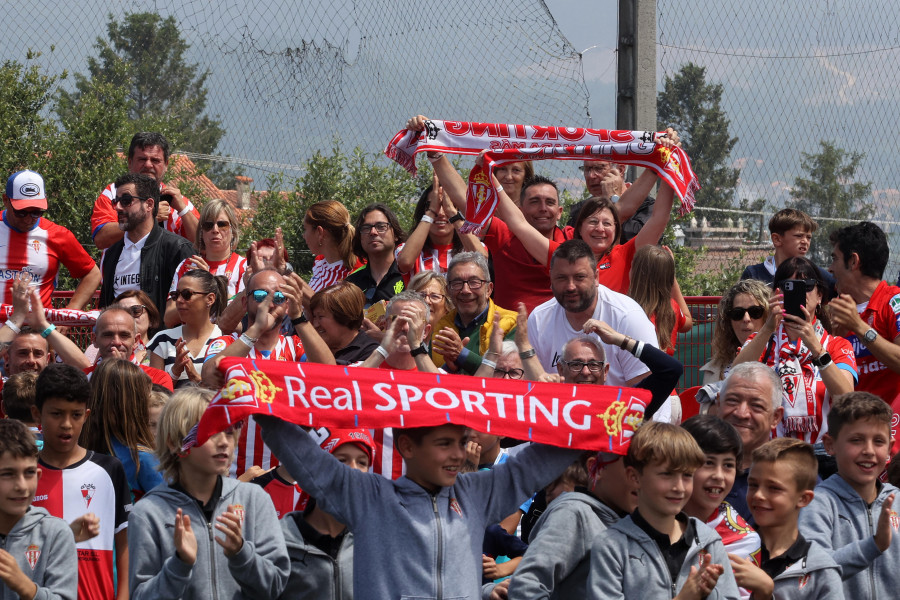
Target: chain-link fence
point(794, 74)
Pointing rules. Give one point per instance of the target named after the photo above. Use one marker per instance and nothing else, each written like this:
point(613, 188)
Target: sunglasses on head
point(259, 295)
point(126, 199)
point(185, 294)
point(737, 313)
point(37, 213)
point(208, 225)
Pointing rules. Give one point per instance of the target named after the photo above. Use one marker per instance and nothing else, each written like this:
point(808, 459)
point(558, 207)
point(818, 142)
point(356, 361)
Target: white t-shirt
point(549, 330)
point(128, 269)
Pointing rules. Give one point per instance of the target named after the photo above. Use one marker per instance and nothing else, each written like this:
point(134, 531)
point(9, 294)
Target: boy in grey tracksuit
point(37, 551)
point(316, 574)
point(421, 535)
point(658, 551)
point(853, 515)
point(259, 570)
point(557, 562)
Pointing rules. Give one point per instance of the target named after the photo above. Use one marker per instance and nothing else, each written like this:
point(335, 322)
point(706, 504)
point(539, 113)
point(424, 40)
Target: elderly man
point(463, 334)
point(577, 298)
point(148, 256)
point(750, 399)
point(148, 153)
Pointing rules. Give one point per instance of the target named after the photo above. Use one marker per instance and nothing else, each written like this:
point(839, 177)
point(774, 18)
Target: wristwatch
point(299, 320)
point(456, 217)
point(422, 349)
point(870, 335)
point(822, 361)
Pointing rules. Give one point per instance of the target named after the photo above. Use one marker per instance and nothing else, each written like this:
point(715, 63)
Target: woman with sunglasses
point(814, 366)
point(434, 239)
point(742, 311)
point(377, 234)
point(217, 238)
point(180, 351)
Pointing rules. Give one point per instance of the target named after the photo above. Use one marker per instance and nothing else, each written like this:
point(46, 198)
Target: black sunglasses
point(185, 294)
point(137, 310)
point(737, 313)
point(37, 213)
point(126, 199)
point(208, 225)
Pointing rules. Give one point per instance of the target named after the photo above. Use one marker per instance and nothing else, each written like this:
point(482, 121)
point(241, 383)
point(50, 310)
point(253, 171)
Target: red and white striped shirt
point(39, 252)
point(251, 450)
point(325, 274)
point(435, 259)
point(232, 269)
point(104, 213)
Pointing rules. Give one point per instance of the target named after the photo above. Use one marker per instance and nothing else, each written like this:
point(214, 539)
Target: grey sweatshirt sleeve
point(61, 570)
point(508, 485)
point(562, 542)
point(606, 579)
point(150, 576)
point(726, 587)
point(346, 493)
point(261, 567)
point(818, 522)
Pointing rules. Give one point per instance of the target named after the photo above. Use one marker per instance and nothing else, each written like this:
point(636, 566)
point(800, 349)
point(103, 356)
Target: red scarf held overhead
point(589, 417)
point(515, 143)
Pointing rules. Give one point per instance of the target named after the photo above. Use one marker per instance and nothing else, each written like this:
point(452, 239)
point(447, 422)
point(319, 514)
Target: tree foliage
point(830, 191)
point(694, 108)
point(145, 55)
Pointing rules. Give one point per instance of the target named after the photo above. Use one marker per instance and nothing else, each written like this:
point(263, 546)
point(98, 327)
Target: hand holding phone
point(794, 297)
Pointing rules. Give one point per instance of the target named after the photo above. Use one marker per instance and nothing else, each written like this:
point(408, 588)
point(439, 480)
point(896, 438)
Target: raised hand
point(230, 524)
point(185, 542)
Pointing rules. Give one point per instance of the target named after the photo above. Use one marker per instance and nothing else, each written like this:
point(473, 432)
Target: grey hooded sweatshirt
point(44, 547)
point(557, 562)
point(314, 574)
point(839, 520)
point(816, 577)
point(408, 542)
point(626, 563)
point(260, 569)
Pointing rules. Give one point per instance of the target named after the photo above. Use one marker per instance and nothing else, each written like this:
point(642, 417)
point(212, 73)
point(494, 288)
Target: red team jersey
point(232, 269)
point(251, 451)
point(104, 213)
point(435, 259)
point(39, 252)
point(96, 484)
point(882, 313)
point(325, 274)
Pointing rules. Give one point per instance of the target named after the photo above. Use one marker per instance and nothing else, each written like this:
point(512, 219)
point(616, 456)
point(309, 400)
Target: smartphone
point(794, 297)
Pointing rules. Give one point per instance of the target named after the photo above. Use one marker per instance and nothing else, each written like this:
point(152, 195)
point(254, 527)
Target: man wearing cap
point(148, 153)
point(32, 244)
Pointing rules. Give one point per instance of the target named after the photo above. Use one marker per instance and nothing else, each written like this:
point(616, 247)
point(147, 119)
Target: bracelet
point(187, 208)
point(624, 344)
point(382, 351)
point(489, 363)
point(638, 348)
point(50, 329)
point(247, 340)
point(527, 354)
point(15, 328)
point(433, 158)
point(427, 219)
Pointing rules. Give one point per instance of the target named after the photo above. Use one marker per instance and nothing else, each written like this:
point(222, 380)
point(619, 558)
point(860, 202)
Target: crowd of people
point(779, 486)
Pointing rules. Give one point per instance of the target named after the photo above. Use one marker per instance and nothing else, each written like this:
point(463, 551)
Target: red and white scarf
point(793, 363)
point(515, 143)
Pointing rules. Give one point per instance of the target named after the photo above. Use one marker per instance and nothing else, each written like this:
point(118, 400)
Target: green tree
point(145, 55)
point(830, 191)
point(694, 108)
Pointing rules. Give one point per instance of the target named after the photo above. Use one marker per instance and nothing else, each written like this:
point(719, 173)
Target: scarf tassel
point(801, 424)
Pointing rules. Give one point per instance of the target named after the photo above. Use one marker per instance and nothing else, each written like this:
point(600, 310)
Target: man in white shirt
point(577, 298)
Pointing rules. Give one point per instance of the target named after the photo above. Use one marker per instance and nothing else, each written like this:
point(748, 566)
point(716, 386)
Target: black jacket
point(160, 257)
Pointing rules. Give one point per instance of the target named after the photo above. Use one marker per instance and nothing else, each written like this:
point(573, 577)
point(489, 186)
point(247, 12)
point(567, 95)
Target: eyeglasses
point(208, 225)
point(594, 366)
point(737, 313)
point(595, 169)
point(260, 295)
point(36, 213)
point(510, 374)
point(474, 284)
point(433, 297)
point(126, 199)
point(185, 295)
point(138, 309)
point(809, 283)
point(380, 227)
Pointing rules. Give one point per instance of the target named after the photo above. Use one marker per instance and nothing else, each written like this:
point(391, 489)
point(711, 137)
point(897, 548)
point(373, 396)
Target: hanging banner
point(61, 317)
point(590, 417)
